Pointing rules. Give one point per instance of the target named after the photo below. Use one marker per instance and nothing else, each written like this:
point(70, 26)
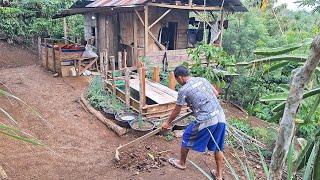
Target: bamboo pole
point(135, 40)
point(172, 81)
point(113, 68)
point(127, 87)
point(156, 74)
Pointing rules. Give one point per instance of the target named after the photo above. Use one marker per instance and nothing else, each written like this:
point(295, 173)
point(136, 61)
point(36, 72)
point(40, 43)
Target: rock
point(178, 133)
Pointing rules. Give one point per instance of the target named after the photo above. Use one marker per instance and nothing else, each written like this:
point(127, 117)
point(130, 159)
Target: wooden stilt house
point(156, 30)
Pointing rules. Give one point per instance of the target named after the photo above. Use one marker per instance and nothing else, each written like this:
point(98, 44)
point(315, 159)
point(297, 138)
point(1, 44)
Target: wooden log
point(142, 85)
point(109, 123)
point(127, 87)
point(113, 68)
point(172, 81)
point(119, 60)
point(125, 58)
point(156, 74)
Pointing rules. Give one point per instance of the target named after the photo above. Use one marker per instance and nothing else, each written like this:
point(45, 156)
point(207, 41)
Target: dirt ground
point(78, 146)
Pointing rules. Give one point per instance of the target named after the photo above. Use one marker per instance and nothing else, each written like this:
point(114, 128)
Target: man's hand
point(166, 125)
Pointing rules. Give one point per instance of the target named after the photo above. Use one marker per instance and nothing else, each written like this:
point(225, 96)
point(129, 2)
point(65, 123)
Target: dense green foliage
point(25, 20)
point(102, 100)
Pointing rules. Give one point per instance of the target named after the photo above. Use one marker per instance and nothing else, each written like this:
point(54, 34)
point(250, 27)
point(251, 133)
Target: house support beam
point(221, 28)
point(161, 17)
point(146, 29)
point(149, 32)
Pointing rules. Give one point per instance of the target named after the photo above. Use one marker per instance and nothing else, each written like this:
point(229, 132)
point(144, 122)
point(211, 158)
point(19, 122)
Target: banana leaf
point(281, 50)
point(290, 58)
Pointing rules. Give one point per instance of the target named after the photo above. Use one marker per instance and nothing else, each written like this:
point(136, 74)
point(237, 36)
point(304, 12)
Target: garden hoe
point(144, 137)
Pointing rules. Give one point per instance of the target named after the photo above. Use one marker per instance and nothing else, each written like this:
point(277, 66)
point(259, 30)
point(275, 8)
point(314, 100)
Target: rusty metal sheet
point(116, 3)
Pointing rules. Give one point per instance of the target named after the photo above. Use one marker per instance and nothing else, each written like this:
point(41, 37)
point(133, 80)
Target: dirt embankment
point(14, 56)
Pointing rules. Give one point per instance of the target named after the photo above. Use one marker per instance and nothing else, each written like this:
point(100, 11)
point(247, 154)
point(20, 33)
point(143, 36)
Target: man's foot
point(176, 163)
point(213, 173)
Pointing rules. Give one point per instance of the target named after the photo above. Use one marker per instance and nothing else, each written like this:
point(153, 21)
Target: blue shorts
point(200, 140)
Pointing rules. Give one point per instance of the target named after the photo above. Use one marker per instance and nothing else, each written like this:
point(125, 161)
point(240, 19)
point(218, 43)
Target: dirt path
point(80, 146)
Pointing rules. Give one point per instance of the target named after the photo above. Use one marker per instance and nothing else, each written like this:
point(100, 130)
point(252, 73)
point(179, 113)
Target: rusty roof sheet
point(116, 3)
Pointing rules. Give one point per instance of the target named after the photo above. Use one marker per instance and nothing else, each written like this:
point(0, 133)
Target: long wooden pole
point(135, 39)
point(142, 90)
point(119, 60)
point(146, 29)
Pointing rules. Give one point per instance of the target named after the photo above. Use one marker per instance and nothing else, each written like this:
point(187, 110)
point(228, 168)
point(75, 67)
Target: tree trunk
point(300, 78)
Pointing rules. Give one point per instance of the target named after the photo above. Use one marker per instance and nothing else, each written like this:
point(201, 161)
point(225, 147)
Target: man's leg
point(219, 162)
point(183, 156)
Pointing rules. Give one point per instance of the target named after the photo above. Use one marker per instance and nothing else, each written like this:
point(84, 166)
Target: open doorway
point(172, 35)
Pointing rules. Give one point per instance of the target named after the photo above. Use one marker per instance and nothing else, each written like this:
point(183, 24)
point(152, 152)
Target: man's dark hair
point(181, 71)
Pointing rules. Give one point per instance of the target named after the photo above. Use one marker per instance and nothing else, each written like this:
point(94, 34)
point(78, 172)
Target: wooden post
point(102, 64)
point(54, 59)
point(119, 60)
point(125, 58)
point(172, 81)
point(146, 29)
point(113, 68)
point(127, 87)
point(221, 28)
point(47, 53)
point(190, 3)
point(156, 74)
point(39, 49)
point(142, 85)
point(135, 40)
point(65, 28)
point(106, 64)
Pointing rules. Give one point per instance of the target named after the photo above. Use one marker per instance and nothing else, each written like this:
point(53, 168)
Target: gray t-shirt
point(198, 94)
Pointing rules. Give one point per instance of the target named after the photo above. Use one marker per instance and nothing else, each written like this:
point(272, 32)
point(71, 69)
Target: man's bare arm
point(174, 114)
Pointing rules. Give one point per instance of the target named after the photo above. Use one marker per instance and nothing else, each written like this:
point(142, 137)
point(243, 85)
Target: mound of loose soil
point(143, 157)
point(14, 56)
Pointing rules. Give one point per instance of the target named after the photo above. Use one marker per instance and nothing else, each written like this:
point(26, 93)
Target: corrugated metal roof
point(116, 3)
